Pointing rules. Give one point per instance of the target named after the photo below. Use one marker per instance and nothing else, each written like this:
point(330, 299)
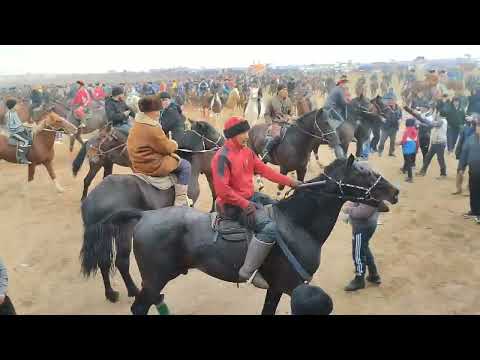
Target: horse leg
point(31, 171)
point(271, 302)
point(122, 261)
point(110, 294)
point(107, 169)
point(301, 173)
point(212, 189)
point(92, 172)
point(51, 172)
point(72, 142)
point(283, 171)
point(78, 137)
point(315, 152)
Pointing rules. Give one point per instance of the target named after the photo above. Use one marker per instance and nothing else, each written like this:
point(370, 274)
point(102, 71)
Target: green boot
point(162, 309)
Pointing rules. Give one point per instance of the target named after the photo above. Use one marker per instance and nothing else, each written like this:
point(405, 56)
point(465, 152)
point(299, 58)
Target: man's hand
point(2, 299)
point(126, 113)
point(249, 213)
point(296, 183)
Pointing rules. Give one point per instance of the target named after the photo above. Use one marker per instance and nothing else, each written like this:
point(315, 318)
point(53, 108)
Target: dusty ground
point(426, 252)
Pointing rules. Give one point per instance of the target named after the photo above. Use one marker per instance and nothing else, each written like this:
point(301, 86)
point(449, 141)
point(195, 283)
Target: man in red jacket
point(233, 168)
point(81, 103)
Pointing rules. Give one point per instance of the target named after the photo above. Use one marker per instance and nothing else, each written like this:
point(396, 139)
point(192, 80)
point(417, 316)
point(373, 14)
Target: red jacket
point(233, 167)
point(412, 133)
point(82, 98)
point(98, 93)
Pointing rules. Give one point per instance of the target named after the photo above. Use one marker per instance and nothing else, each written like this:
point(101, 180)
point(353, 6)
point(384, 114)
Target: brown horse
point(41, 152)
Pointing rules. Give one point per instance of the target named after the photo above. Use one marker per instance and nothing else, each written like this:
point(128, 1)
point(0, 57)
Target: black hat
point(117, 90)
point(164, 95)
point(10, 103)
point(149, 104)
point(235, 126)
point(310, 300)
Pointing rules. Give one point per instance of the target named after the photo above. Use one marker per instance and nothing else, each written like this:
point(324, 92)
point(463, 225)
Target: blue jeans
point(183, 172)
point(124, 128)
point(366, 149)
point(452, 137)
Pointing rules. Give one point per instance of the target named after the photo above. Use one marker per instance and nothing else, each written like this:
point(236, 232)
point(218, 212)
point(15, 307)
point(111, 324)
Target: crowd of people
point(433, 124)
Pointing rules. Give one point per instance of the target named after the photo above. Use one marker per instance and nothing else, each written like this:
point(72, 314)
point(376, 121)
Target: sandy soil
point(426, 252)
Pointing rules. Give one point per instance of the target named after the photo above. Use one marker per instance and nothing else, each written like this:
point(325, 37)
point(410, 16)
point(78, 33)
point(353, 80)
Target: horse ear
point(350, 161)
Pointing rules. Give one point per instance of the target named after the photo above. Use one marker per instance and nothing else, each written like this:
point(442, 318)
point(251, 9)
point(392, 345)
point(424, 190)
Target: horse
point(128, 191)
point(373, 87)
point(168, 242)
point(109, 148)
point(233, 100)
point(255, 109)
point(41, 151)
point(97, 121)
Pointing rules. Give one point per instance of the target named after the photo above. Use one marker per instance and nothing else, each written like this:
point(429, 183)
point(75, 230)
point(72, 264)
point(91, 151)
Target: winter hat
point(10, 103)
point(310, 300)
point(117, 90)
point(410, 122)
point(164, 95)
point(81, 83)
point(281, 87)
point(235, 126)
point(149, 104)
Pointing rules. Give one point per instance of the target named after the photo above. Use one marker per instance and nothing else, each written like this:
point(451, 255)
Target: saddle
point(277, 129)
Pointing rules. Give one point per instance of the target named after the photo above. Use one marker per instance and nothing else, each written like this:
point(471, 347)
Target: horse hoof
point(112, 296)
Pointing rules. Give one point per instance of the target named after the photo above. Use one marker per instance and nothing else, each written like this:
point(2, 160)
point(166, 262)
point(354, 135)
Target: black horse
point(170, 241)
point(128, 191)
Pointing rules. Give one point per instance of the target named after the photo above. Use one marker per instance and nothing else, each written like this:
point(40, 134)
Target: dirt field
point(426, 252)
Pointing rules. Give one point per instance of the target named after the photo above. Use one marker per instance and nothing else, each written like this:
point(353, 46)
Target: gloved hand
point(249, 213)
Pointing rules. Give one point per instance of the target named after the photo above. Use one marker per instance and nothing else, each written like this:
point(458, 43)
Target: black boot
point(373, 276)
point(357, 283)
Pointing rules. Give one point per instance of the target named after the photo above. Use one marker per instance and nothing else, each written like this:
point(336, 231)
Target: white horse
point(132, 101)
point(252, 115)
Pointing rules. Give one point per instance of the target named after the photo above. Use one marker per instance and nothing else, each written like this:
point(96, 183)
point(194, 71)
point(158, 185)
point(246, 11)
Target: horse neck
point(44, 137)
point(317, 216)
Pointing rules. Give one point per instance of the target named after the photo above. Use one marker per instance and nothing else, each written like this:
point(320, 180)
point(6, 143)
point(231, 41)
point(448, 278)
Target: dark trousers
point(424, 143)
point(361, 253)
point(439, 150)
point(409, 163)
point(388, 134)
point(452, 137)
point(474, 187)
point(375, 139)
point(183, 172)
point(7, 307)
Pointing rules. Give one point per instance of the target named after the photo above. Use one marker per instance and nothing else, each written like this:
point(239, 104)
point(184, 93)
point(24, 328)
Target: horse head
point(108, 139)
point(355, 181)
point(49, 120)
point(210, 136)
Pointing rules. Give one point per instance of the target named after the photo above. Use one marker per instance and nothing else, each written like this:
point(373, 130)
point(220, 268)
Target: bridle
point(215, 147)
point(317, 127)
point(99, 150)
point(341, 185)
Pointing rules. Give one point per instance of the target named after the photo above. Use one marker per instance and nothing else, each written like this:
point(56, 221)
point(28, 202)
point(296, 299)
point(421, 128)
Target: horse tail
point(98, 241)
point(79, 159)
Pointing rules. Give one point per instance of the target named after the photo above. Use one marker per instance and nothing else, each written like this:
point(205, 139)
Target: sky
point(64, 59)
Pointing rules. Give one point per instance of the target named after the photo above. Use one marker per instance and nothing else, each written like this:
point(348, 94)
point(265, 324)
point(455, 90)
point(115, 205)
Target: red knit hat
point(235, 126)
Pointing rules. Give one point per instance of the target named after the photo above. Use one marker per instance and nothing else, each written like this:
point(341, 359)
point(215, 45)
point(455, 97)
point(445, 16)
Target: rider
point(98, 92)
point(36, 97)
point(336, 106)
point(82, 101)
point(202, 87)
point(233, 167)
point(17, 131)
point(171, 119)
point(117, 111)
point(278, 113)
point(152, 153)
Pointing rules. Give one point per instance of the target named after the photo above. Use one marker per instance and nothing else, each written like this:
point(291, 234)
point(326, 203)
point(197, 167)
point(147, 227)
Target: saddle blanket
point(160, 183)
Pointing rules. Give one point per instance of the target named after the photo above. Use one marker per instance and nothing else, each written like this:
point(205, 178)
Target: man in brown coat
point(152, 153)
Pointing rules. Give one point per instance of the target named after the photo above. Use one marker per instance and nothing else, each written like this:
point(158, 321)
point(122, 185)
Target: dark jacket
point(115, 112)
point(455, 117)
point(36, 98)
point(471, 154)
point(393, 119)
point(173, 122)
point(336, 99)
point(474, 104)
point(464, 135)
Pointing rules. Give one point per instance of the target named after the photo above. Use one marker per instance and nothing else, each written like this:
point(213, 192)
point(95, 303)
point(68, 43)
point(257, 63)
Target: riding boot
point(357, 283)
point(162, 309)
point(22, 155)
point(373, 276)
point(270, 143)
point(257, 252)
point(181, 198)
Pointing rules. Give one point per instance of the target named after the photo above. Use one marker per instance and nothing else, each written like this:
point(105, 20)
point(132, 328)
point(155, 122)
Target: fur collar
point(147, 120)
